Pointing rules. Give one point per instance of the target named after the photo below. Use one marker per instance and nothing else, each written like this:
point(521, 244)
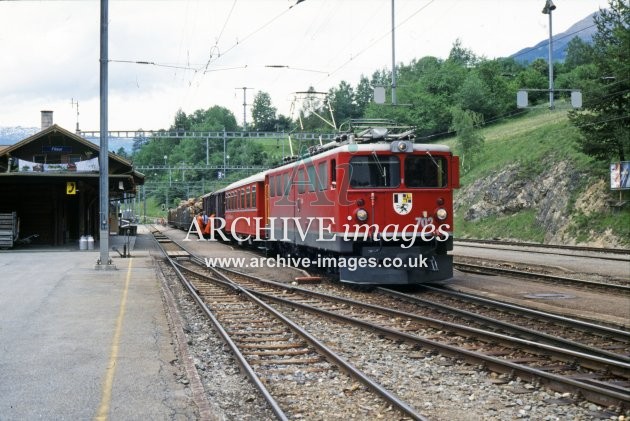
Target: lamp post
point(549, 7)
point(224, 153)
point(170, 181)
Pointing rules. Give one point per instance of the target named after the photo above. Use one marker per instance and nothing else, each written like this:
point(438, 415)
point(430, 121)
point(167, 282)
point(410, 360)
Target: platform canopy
point(51, 181)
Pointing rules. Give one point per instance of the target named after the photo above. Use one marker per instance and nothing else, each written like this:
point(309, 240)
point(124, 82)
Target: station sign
point(63, 149)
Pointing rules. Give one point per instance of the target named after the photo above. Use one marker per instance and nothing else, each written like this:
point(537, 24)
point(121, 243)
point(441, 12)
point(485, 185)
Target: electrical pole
point(244, 107)
point(104, 261)
point(394, 100)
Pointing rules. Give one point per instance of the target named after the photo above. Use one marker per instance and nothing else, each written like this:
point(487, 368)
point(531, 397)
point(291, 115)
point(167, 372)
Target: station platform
point(79, 343)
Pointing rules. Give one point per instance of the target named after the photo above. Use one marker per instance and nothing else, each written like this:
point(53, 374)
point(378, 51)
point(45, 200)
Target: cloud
point(51, 50)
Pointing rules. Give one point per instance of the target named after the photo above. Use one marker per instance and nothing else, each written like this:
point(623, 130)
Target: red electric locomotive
point(373, 206)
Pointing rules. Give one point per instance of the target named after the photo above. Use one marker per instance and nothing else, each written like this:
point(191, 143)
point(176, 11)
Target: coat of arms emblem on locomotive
point(403, 203)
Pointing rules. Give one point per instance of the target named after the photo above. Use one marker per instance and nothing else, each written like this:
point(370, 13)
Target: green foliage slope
point(530, 147)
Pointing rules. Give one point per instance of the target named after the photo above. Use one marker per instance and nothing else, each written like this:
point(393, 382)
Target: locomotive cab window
point(279, 189)
point(323, 175)
point(312, 178)
point(272, 186)
point(287, 184)
point(425, 171)
point(301, 183)
point(374, 171)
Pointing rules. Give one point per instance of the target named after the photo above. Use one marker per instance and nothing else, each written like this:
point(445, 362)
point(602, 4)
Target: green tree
point(579, 53)
point(263, 113)
point(122, 153)
point(189, 151)
point(535, 76)
point(497, 77)
point(283, 123)
point(181, 122)
point(462, 56)
point(246, 152)
point(474, 95)
point(603, 121)
point(138, 142)
point(584, 77)
point(154, 151)
point(363, 95)
point(469, 141)
point(215, 118)
point(193, 150)
point(430, 87)
point(314, 114)
point(342, 100)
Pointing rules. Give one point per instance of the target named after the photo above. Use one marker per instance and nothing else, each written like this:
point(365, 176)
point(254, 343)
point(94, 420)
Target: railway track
point(494, 268)
point(297, 374)
point(555, 247)
point(586, 337)
point(534, 325)
point(591, 377)
point(596, 374)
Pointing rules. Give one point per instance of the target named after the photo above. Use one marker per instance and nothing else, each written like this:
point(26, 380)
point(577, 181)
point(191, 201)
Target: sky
point(203, 53)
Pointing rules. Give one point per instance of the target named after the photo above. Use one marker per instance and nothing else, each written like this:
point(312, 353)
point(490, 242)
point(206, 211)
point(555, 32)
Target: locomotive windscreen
point(374, 171)
point(425, 171)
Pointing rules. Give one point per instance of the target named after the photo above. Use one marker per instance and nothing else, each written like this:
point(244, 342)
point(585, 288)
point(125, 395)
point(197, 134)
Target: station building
point(51, 181)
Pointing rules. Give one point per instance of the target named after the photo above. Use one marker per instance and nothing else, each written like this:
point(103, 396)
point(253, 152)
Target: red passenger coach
point(242, 206)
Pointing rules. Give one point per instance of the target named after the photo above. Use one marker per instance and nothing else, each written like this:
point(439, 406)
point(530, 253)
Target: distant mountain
point(114, 144)
point(584, 29)
point(11, 135)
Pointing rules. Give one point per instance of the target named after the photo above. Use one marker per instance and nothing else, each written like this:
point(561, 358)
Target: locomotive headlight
point(441, 214)
point(401, 146)
point(361, 215)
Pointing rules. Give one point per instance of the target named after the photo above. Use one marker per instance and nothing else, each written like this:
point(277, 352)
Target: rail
point(220, 315)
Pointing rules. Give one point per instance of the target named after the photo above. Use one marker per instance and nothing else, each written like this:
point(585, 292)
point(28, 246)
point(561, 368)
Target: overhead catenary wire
point(215, 53)
point(173, 66)
point(227, 19)
point(185, 67)
point(386, 34)
point(248, 36)
point(216, 43)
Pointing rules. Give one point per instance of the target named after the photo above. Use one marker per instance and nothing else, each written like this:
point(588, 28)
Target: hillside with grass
point(531, 183)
